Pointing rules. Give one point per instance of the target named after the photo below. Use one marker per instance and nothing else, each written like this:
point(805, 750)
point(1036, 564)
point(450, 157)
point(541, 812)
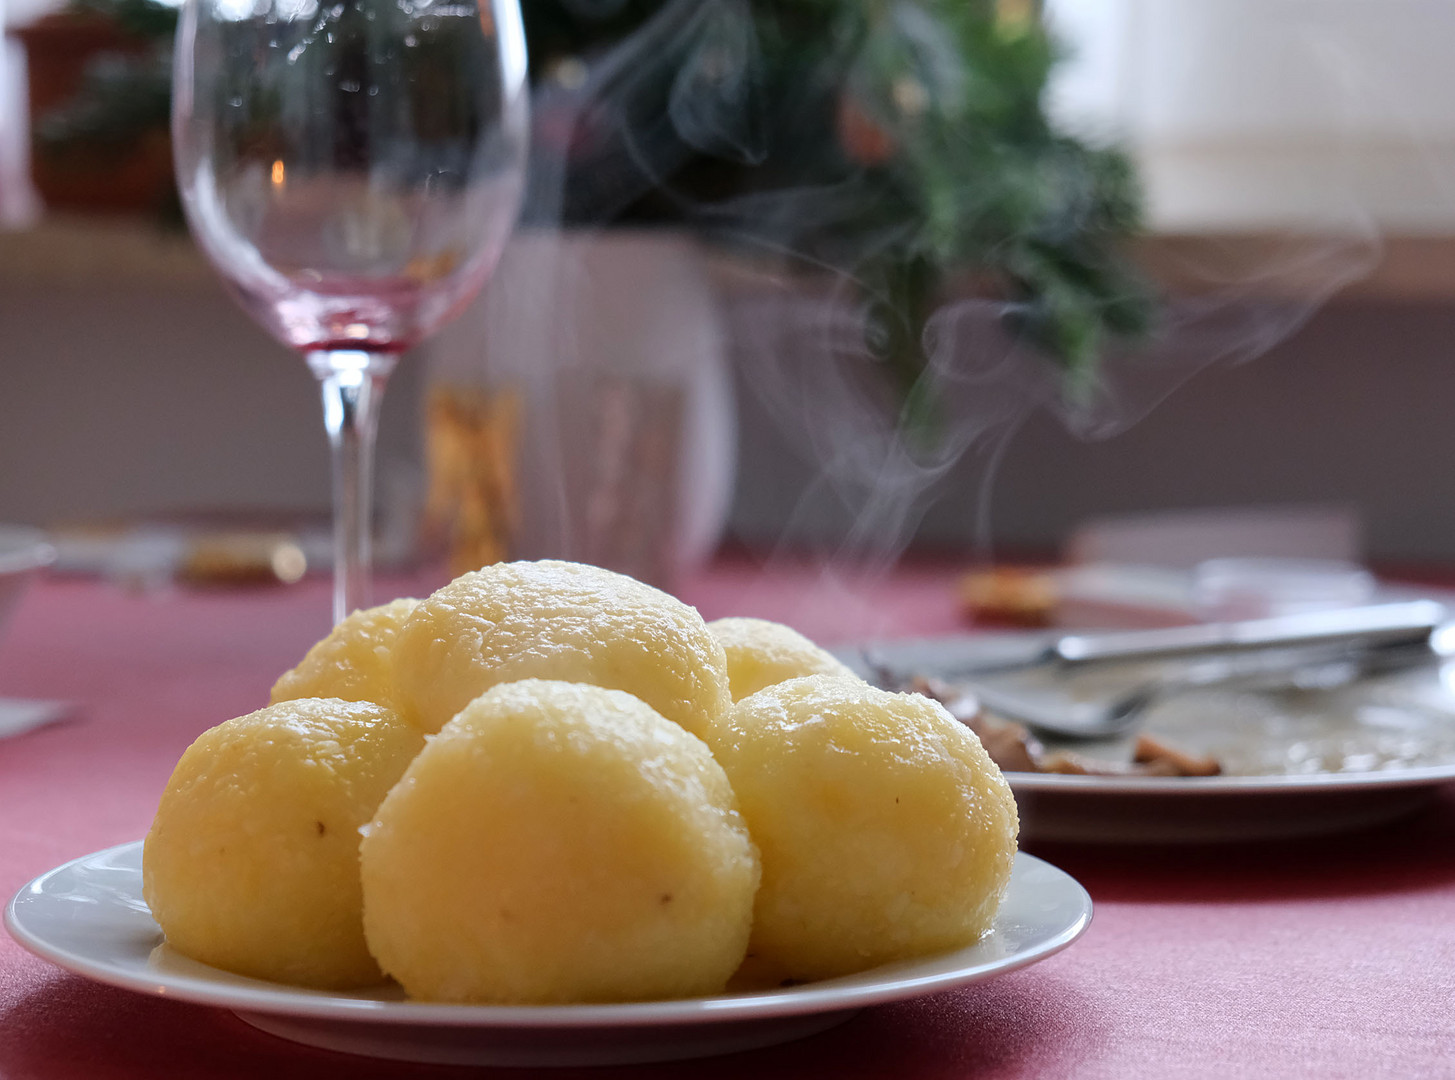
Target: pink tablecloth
point(1329, 959)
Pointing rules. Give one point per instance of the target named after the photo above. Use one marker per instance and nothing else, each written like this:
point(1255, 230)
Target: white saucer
point(88, 916)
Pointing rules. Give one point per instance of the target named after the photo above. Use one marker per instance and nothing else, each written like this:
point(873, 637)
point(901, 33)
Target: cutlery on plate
point(1313, 649)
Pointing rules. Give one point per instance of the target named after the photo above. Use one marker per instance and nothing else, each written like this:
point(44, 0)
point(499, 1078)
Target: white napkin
point(18, 717)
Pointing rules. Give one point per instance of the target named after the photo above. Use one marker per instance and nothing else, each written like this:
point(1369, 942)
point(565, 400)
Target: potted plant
point(100, 96)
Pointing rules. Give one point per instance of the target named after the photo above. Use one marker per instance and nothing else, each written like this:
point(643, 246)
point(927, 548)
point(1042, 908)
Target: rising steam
point(604, 143)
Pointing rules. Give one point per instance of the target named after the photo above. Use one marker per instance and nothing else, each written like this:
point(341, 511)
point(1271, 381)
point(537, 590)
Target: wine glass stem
point(353, 386)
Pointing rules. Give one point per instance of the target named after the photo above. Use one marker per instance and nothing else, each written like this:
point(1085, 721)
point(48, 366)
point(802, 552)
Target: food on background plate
point(354, 662)
point(553, 763)
point(558, 620)
point(251, 863)
point(884, 828)
point(1015, 749)
point(1156, 757)
point(555, 843)
point(762, 653)
point(1013, 595)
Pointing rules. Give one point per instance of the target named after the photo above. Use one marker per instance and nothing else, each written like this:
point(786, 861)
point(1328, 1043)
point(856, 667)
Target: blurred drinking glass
point(352, 168)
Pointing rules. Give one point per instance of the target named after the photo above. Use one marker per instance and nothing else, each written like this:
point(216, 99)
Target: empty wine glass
point(352, 168)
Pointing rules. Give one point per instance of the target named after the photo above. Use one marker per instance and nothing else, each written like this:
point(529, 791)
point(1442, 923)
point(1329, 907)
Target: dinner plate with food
point(548, 815)
point(89, 917)
point(1268, 743)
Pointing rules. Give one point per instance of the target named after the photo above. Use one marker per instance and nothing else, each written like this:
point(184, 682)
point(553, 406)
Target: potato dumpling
point(252, 862)
point(558, 842)
point(885, 829)
point(353, 662)
point(762, 653)
point(558, 620)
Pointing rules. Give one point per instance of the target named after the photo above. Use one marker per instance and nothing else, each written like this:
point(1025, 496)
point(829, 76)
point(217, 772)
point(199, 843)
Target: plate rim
point(818, 997)
point(1264, 784)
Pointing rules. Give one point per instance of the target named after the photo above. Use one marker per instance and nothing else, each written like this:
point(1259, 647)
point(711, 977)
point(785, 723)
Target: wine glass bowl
point(352, 169)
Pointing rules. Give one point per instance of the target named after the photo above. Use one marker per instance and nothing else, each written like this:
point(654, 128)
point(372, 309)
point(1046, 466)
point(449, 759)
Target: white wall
point(1257, 113)
point(1358, 408)
point(119, 399)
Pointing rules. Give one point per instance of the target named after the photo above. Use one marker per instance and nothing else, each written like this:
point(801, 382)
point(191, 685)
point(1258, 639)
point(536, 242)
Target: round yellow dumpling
point(885, 830)
point(558, 842)
point(762, 653)
point(252, 861)
point(354, 661)
point(563, 621)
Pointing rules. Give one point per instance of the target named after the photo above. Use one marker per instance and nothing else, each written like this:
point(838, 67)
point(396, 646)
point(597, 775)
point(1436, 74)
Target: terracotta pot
point(137, 181)
point(58, 48)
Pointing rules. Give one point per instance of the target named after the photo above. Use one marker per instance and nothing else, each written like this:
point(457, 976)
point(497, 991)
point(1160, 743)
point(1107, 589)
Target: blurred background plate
point(1296, 762)
point(23, 552)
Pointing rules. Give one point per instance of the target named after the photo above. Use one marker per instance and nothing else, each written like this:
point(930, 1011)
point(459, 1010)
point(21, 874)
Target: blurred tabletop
point(1327, 958)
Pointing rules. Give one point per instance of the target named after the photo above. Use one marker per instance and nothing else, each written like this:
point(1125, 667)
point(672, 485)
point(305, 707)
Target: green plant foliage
point(902, 143)
point(124, 95)
point(122, 98)
point(139, 18)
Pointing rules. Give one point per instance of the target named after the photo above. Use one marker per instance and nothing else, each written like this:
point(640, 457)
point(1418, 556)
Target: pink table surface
point(1333, 958)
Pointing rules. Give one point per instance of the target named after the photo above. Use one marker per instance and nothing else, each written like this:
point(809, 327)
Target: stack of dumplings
point(550, 783)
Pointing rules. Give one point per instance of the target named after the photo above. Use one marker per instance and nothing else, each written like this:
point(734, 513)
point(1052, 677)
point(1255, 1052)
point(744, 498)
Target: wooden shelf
point(1388, 268)
point(69, 252)
point(80, 251)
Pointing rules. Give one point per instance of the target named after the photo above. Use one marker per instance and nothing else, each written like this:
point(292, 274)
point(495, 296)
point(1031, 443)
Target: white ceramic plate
point(88, 916)
point(1297, 764)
